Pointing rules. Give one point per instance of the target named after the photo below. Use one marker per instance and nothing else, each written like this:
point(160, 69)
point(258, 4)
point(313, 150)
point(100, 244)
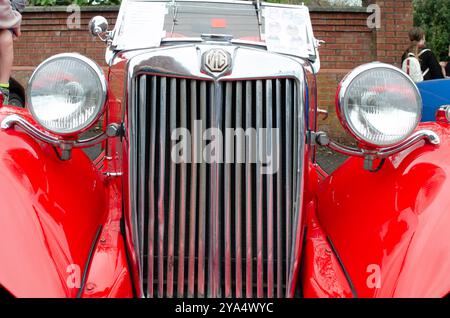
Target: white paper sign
point(287, 30)
point(141, 25)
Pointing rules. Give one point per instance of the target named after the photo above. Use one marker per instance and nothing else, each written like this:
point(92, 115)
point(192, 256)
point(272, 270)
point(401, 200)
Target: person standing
point(447, 66)
point(430, 67)
point(10, 21)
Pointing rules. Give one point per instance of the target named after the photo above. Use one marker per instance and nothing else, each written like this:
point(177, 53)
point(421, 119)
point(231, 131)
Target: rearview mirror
point(98, 26)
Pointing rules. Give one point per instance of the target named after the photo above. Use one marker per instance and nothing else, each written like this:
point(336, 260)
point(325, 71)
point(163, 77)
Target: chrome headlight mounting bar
point(66, 146)
point(322, 139)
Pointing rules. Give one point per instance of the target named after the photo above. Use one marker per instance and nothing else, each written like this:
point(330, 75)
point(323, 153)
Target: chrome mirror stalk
point(66, 146)
point(322, 139)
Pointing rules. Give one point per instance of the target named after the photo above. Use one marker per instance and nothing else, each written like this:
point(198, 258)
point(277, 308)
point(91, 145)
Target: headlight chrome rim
point(103, 85)
point(447, 112)
point(342, 93)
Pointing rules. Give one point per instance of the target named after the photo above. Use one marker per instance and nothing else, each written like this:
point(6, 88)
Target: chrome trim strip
point(288, 165)
point(16, 120)
point(133, 179)
point(299, 163)
point(177, 61)
point(142, 124)
point(295, 187)
point(66, 146)
point(177, 41)
point(429, 136)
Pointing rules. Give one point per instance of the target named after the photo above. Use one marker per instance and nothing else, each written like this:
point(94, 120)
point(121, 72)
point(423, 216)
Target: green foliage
point(434, 17)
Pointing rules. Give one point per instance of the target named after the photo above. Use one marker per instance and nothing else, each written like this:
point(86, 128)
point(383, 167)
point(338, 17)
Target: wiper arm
point(174, 6)
point(257, 4)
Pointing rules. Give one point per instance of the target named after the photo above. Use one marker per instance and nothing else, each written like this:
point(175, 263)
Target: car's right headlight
point(67, 93)
point(379, 105)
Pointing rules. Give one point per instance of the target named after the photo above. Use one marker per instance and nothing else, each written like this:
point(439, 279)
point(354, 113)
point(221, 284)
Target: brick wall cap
point(338, 9)
point(33, 9)
point(116, 8)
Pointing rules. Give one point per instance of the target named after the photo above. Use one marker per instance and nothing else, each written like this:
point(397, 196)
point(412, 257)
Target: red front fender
point(392, 228)
point(50, 212)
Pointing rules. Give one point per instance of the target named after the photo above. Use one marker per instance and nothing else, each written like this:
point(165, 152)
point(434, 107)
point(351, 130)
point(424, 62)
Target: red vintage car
point(206, 183)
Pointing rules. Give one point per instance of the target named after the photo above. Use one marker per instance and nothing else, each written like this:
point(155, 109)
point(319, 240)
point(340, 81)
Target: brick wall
point(45, 33)
point(349, 42)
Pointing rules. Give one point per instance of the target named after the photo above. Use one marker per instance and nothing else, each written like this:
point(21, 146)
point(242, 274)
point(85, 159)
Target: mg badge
point(216, 60)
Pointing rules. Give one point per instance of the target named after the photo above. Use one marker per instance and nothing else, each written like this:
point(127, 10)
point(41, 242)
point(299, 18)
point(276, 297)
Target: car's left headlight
point(379, 105)
point(67, 94)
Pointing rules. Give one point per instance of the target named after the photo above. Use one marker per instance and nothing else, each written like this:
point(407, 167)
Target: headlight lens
point(379, 105)
point(66, 93)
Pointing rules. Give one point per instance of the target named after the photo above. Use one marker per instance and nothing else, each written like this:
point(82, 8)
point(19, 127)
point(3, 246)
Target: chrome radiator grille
point(215, 229)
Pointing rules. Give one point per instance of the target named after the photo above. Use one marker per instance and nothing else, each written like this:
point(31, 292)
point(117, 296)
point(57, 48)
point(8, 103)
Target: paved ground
point(329, 160)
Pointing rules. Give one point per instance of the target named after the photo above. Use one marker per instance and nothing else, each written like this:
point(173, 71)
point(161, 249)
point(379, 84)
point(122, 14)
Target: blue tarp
point(435, 94)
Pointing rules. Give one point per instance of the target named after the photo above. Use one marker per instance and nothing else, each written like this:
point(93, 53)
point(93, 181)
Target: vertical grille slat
point(151, 218)
point(202, 202)
point(193, 192)
point(238, 195)
point(182, 199)
point(249, 195)
point(213, 227)
point(279, 189)
point(172, 191)
point(214, 269)
point(227, 194)
point(161, 183)
point(259, 192)
point(269, 180)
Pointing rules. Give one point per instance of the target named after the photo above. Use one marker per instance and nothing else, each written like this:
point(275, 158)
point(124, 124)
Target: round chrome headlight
point(379, 105)
point(67, 93)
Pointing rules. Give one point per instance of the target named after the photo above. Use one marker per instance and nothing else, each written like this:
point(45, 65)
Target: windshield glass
point(282, 28)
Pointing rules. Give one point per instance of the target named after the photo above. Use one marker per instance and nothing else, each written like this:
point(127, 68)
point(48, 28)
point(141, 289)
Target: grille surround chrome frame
point(185, 62)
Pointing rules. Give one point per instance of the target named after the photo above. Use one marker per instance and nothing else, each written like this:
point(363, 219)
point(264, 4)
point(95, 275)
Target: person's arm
point(429, 61)
point(9, 19)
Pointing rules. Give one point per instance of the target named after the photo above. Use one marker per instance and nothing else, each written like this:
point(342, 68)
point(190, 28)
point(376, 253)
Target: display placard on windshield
point(285, 29)
point(141, 25)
